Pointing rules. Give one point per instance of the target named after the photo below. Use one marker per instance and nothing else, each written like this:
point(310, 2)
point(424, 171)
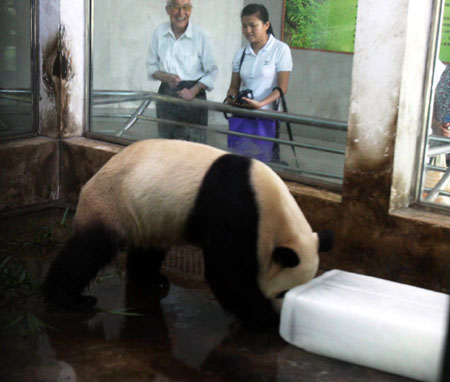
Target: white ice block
point(367, 321)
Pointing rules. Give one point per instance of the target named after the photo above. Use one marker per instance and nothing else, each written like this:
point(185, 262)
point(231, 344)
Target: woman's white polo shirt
point(259, 71)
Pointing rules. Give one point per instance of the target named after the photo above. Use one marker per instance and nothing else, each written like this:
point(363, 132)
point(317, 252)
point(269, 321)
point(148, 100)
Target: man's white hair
point(169, 3)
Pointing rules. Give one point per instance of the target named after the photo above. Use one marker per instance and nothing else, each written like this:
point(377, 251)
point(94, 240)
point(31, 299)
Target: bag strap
point(288, 124)
point(240, 65)
point(242, 59)
point(283, 100)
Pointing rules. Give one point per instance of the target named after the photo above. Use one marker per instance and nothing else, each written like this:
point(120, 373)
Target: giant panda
point(156, 193)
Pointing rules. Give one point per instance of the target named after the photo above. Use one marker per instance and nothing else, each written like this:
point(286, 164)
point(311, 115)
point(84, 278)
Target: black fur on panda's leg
point(144, 266)
point(233, 281)
point(77, 264)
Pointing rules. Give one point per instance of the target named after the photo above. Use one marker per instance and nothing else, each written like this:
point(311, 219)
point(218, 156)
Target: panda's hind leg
point(77, 264)
point(144, 268)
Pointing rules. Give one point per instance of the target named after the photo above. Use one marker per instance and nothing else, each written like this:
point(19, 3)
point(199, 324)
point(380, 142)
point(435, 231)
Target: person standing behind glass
point(441, 114)
point(181, 57)
point(262, 65)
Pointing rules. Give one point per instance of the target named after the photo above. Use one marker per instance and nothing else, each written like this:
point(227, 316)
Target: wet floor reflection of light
point(197, 325)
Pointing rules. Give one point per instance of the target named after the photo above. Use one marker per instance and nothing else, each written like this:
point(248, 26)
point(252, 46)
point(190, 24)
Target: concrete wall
point(49, 85)
point(62, 77)
point(29, 174)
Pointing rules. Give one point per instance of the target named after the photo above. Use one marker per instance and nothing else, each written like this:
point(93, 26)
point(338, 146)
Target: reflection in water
point(172, 337)
point(196, 327)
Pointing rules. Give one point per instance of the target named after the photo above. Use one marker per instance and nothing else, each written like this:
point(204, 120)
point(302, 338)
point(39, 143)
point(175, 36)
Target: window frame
point(34, 76)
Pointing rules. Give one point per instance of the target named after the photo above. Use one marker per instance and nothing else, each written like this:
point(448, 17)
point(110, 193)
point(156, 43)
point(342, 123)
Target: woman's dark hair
point(260, 12)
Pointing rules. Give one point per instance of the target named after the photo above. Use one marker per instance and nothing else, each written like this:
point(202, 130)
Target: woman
point(262, 65)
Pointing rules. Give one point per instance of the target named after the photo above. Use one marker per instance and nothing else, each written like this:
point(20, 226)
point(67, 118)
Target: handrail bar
point(259, 137)
point(110, 96)
point(103, 97)
point(20, 95)
point(435, 138)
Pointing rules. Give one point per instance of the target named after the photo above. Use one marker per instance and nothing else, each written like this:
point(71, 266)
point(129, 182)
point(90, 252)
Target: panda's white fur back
point(164, 176)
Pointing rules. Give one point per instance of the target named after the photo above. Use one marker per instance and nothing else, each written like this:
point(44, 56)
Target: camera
point(243, 93)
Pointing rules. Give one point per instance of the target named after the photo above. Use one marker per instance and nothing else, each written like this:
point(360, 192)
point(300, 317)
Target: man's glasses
point(177, 8)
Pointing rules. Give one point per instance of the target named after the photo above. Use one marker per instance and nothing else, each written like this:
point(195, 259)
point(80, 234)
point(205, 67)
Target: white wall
point(123, 30)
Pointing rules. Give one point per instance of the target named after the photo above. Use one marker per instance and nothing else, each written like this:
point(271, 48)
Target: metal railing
point(102, 97)
point(19, 95)
point(105, 97)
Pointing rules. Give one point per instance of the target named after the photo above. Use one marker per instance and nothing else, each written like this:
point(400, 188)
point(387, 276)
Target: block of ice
point(367, 321)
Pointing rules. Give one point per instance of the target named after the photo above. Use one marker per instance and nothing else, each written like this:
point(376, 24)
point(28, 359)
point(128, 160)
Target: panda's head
point(287, 247)
point(255, 295)
point(264, 246)
point(292, 265)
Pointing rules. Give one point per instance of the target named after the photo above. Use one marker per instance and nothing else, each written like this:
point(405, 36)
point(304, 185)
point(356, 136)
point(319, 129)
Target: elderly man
point(181, 57)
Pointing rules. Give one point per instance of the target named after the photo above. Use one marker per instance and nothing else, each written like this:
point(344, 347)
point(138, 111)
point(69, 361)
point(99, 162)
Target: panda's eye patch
point(285, 257)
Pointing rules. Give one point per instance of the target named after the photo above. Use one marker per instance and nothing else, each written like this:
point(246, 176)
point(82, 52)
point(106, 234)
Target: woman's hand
point(444, 129)
point(251, 103)
point(231, 100)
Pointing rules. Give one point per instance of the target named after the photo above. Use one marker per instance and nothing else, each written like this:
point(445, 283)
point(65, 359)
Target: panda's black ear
point(286, 257)
point(326, 240)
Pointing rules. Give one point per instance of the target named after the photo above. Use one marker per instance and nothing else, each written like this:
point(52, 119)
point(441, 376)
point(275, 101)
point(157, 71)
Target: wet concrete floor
point(183, 335)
